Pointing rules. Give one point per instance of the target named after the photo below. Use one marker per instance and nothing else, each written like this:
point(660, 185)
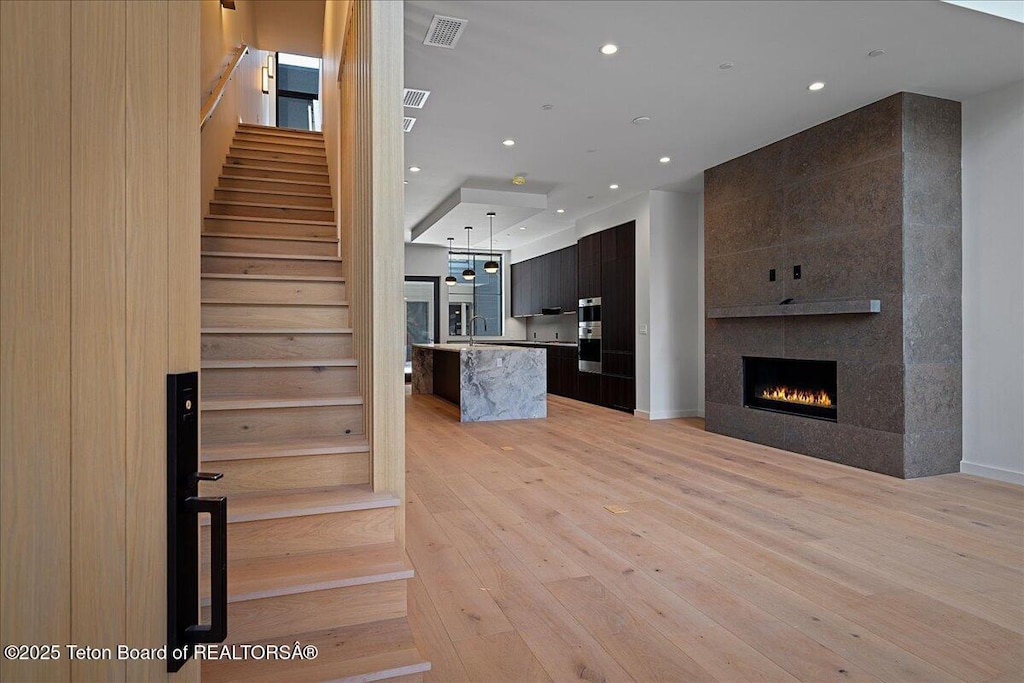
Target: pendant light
point(450, 280)
point(491, 266)
point(468, 273)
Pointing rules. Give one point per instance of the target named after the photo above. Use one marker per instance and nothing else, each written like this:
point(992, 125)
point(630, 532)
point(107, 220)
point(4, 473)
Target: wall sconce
point(227, 4)
point(270, 64)
point(265, 81)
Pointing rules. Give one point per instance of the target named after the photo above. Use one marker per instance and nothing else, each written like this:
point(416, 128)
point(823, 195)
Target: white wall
point(674, 283)
point(993, 284)
point(432, 261)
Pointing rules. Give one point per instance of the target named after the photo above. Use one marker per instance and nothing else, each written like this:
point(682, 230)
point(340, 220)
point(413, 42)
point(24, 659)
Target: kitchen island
point(487, 381)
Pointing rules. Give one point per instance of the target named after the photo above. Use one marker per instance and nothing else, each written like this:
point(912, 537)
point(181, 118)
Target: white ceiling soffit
point(520, 55)
point(469, 206)
point(444, 31)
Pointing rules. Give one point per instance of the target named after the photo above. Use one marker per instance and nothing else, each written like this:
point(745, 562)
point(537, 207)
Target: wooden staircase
point(312, 552)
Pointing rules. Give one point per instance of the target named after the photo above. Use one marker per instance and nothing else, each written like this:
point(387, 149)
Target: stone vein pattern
point(503, 383)
point(422, 370)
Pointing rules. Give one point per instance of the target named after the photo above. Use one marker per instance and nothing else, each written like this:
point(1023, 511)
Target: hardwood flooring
point(732, 562)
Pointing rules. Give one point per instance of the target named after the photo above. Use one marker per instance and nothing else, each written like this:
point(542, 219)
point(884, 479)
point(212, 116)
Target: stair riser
point(275, 173)
point(256, 196)
point(269, 346)
point(258, 184)
point(303, 382)
point(304, 156)
point(250, 159)
point(274, 229)
point(294, 472)
point(294, 213)
point(258, 266)
point(243, 245)
point(309, 534)
point(243, 139)
point(276, 291)
point(221, 427)
point(287, 317)
point(254, 620)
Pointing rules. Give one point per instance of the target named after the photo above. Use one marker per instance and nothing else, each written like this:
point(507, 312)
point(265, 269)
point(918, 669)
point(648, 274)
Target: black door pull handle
point(217, 630)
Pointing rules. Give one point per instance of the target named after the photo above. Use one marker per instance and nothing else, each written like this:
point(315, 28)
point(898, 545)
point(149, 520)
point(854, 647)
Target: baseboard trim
point(999, 474)
point(665, 414)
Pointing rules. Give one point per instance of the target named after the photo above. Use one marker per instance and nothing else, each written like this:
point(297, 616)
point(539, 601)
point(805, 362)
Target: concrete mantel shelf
point(830, 307)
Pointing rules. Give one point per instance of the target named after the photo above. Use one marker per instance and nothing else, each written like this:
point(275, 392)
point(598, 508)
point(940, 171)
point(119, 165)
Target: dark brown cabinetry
point(588, 279)
point(544, 283)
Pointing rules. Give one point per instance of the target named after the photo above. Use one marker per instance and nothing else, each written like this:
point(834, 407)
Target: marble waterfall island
point(487, 382)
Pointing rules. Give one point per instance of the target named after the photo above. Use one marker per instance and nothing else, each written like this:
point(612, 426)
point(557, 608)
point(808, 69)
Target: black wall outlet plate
point(796, 272)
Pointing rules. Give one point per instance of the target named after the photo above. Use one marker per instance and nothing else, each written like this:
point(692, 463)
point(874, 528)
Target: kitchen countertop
point(535, 342)
point(475, 347)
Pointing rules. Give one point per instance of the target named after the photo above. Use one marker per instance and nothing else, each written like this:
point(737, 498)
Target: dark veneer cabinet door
point(588, 387)
point(589, 266)
point(518, 290)
point(618, 289)
point(567, 275)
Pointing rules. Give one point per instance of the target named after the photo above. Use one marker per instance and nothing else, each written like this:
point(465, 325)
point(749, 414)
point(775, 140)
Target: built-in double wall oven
point(590, 334)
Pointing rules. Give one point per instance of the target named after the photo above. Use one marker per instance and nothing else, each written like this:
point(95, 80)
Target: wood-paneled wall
point(99, 299)
point(371, 222)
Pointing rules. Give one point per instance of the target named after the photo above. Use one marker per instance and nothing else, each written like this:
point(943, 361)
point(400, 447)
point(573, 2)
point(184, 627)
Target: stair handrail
point(210, 105)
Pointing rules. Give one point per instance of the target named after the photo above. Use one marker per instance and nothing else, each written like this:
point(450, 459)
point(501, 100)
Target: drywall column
point(674, 304)
point(993, 284)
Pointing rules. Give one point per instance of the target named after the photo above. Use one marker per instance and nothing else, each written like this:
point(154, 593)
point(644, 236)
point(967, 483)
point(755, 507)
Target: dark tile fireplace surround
point(868, 206)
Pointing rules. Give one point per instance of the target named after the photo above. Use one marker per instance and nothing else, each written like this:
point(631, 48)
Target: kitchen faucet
point(471, 326)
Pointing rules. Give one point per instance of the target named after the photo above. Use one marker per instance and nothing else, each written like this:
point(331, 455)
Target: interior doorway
point(298, 92)
point(422, 324)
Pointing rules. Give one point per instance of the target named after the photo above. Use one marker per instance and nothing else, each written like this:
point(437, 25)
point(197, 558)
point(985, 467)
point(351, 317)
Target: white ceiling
point(516, 56)
point(469, 207)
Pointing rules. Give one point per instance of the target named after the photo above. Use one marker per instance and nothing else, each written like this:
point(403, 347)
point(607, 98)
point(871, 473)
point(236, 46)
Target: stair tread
point(278, 331)
point(275, 193)
point(247, 154)
point(251, 507)
point(363, 653)
point(264, 577)
point(288, 238)
point(246, 302)
point(264, 219)
point(317, 153)
point(280, 363)
point(351, 443)
point(253, 167)
point(231, 202)
point(270, 180)
point(274, 277)
point(262, 403)
point(290, 257)
point(279, 129)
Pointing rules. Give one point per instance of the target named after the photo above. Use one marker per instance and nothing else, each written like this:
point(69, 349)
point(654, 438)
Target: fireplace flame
point(810, 398)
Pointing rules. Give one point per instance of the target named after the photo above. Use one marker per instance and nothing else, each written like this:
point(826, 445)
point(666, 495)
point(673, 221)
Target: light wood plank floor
point(732, 562)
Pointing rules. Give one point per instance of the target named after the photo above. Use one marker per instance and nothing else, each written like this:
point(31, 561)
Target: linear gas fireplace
point(799, 387)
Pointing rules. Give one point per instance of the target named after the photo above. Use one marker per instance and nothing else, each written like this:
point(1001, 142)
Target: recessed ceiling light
point(414, 169)
point(591, 151)
point(406, 182)
point(665, 160)
point(726, 65)
point(609, 49)
point(559, 210)
point(613, 186)
point(522, 227)
point(518, 180)
point(876, 53)
point(547, 107)
point(508, 142)
point(641, 120)
point(817, 85)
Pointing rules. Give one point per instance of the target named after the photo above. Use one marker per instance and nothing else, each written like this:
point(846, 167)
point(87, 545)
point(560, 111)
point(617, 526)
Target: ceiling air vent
point(445, 31)
point(415, 98)
point(408, 123)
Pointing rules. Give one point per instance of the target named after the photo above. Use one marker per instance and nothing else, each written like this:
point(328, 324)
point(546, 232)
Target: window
point(482, 296)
